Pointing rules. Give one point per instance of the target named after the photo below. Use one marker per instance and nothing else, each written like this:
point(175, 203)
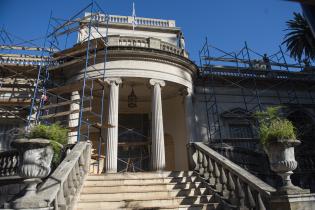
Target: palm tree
point(299, 40)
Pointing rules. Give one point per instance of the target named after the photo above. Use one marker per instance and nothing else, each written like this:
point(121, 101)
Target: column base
point(111, 172)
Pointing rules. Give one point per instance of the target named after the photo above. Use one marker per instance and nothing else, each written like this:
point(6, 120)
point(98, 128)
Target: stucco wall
point(174, 125)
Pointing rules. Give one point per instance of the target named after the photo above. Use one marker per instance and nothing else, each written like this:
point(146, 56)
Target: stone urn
point(35, 160)
point(282, 161)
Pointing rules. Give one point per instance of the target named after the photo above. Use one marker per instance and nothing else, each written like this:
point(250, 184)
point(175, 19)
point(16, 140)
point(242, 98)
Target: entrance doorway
point(133, 143)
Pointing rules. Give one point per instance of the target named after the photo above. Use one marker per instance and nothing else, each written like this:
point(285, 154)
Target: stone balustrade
point(245, 72)
point(60, 189)
point(239, 187)
point(145, 43)
point(171, 48)
point(9, 161)
point(118, 19)
point(23, 61)
point(133, 41)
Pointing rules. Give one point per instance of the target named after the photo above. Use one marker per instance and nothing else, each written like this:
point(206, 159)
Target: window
point(240, 131)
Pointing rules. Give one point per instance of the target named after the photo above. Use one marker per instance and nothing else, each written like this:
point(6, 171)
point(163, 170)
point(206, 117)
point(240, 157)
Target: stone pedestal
point(298, 201)
point(158, 148)
point(112, 132)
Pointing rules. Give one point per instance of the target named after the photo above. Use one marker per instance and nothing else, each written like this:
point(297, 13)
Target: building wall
point(229, 97)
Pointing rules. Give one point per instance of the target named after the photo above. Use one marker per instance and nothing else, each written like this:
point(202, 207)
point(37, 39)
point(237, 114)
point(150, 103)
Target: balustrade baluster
point(260, 202)
point(3, 163)
point(14, 161)
point(66, 192)
point(6, 166)
point(249, 198)
point(71, 184)
point(223, 181)
point(210, 168)
point(217, 174)
point(205, 167)
point(195, 160)
point(61, 201)
point(2, 172)
point(82, 165)
point(1, 168)
point(77, 176)
point(88, 157)
point(74, 179)
point(240, 193)
point(10, 165)
point(200, 158)
point(231, 188)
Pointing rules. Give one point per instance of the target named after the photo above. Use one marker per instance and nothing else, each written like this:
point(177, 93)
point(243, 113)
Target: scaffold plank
point(64, 103)
point(15, 102)
point(60, 114)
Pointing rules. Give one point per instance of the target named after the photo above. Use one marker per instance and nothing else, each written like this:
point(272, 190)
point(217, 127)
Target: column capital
point(157, 81)
point(185, 91)
point(116, 80)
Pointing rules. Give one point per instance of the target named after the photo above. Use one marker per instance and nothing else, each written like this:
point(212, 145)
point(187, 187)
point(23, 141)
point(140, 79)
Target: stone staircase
point(145, 190)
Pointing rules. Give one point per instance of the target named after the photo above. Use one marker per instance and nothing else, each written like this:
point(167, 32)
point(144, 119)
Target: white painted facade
point(162, 77)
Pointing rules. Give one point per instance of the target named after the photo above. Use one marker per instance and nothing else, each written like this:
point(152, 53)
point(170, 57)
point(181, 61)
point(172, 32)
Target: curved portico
point(161, 76)
point(163, 83)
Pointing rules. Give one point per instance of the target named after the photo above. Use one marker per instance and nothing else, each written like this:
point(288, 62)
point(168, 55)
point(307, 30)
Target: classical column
point(190, 116)
point(158, 150)
point(112, 131)
point(74, 117)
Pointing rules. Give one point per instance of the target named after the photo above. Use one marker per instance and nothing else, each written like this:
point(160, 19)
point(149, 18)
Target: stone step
point(185, 185)
point(126, 181)
point(140, 195)
point(140, 175)
point(142, 188)
point(141, 204)
point(209, 206)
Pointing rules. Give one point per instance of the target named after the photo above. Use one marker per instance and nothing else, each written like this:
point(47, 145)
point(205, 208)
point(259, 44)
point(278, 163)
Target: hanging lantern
point(132, 99)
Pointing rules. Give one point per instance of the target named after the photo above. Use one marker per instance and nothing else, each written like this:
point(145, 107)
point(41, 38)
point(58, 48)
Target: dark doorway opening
point(304, 175)
point(133, 143)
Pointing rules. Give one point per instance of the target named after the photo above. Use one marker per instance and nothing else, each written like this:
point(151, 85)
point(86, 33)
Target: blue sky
point(226, 23)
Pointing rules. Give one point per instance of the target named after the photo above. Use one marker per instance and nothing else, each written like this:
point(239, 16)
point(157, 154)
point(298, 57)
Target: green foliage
point(272, 126)
point(57, 135)
point(299, 40)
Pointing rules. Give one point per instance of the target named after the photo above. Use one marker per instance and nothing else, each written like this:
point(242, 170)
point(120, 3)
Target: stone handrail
point(249, 143)
point(60, 189)
point(238, 186)
point(9, 163)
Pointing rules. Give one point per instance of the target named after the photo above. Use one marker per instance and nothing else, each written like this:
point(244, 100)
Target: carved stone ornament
point(35, 157)
point(282, 161)
point(35, 160)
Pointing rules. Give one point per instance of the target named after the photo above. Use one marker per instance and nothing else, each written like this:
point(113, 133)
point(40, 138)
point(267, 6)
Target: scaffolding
point(243, 70)
point(44, 96)
point(76, 103)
